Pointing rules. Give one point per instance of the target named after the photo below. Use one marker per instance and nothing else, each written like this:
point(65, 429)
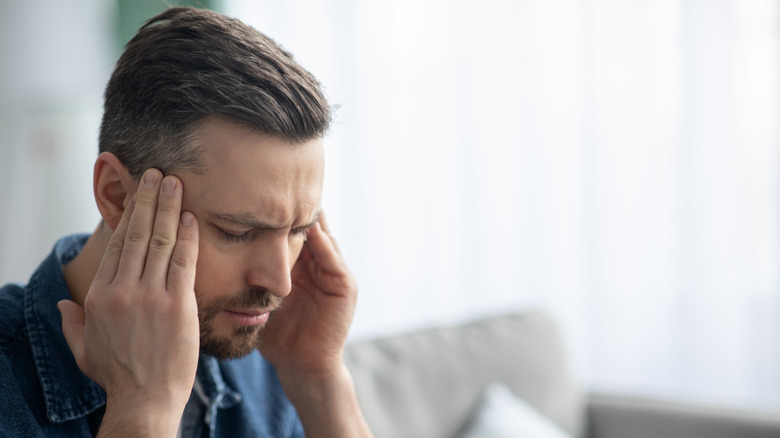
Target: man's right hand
point(138, 334)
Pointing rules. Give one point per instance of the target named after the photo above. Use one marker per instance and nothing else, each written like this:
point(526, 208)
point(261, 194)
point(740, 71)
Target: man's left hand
point(307, 334)
point(305, 339)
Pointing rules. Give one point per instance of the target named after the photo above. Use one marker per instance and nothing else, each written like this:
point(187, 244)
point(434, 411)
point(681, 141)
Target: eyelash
point(231, 237)
point(300, 232)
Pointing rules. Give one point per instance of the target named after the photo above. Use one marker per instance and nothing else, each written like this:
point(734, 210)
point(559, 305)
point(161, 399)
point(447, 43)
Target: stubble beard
point(244, 339)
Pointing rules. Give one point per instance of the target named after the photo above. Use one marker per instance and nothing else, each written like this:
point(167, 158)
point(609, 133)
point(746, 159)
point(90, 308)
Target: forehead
point(254, 174)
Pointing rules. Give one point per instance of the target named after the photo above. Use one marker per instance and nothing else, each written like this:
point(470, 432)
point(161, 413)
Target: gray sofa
point(427, 385)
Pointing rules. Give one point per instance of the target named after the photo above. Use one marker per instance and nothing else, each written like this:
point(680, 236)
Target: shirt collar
point(68, 393)
point(212, 390)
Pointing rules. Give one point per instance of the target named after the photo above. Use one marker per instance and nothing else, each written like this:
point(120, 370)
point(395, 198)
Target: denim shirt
point(45, 394)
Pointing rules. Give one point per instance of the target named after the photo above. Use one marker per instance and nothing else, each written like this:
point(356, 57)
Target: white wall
point(55, 58)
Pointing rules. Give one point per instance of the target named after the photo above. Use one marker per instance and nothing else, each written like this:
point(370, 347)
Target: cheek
point(215, 273)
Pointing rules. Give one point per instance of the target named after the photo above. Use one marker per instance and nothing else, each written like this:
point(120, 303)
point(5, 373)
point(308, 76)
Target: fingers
point(324, 249)
point(73, 328)
point(139, 231)
point(166, 225)
point(108, 267)
point(145, 244)
point(181, 270)
point(324, 223)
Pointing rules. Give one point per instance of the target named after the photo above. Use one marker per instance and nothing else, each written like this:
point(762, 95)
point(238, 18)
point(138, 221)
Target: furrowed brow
point(247, 221)
point(242, 221)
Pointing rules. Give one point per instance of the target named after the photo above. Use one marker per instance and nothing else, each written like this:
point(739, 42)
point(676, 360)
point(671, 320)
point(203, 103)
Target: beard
point(244, 339)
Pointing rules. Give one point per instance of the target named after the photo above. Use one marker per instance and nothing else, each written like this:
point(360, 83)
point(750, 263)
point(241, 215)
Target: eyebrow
point(246, 220)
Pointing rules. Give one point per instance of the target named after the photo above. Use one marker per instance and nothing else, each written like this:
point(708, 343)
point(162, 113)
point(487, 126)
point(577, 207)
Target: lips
point(249, 312)
point(248, 317)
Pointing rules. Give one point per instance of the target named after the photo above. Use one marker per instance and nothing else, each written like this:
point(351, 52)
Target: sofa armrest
point(427, 384)
point(611, 416)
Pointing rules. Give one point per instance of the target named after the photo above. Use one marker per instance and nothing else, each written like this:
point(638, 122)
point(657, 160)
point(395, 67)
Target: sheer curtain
point(614, 163)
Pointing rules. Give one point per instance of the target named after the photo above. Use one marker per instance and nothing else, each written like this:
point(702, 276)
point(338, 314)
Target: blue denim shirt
point(45, 394)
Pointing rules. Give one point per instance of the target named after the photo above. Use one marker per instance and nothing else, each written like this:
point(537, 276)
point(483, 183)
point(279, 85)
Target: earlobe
point(113, 187)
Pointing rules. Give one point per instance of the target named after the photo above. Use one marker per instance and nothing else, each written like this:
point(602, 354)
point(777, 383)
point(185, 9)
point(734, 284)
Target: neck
point(80, 271)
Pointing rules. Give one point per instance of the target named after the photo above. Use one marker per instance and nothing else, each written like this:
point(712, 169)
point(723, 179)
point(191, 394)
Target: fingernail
point(150, 178)
point(169, 185)
point(186, 218)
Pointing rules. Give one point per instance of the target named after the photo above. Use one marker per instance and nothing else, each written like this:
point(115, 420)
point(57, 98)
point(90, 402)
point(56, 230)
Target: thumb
point(73, 328)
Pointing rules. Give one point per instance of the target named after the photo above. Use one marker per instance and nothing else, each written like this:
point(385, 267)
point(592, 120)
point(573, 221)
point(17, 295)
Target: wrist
point(314, 382)
point(332, 387)
point(141, 417)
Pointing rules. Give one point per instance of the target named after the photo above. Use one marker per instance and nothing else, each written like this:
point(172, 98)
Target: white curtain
point(612, 162)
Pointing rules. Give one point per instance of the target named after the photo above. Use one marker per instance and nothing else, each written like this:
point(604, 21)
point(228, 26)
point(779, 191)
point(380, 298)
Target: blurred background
point(611, 162)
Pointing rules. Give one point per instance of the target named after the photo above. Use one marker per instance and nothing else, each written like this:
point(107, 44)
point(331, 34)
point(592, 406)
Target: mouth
point(248, 317)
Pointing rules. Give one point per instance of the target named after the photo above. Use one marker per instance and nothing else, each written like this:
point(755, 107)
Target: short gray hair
point(187, 64)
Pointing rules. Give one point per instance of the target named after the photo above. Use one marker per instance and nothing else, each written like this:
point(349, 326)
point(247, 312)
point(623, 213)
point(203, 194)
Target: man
point(213, 245)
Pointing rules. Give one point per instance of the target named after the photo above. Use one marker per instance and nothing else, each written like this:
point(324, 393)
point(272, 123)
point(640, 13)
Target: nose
point(269, 265)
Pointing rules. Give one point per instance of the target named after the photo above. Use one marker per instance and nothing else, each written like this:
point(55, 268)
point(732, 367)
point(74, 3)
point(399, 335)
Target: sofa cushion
point(503, 415)
point(427, 384)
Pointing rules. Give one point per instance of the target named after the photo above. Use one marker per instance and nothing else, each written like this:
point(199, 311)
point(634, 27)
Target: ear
point(114, 187)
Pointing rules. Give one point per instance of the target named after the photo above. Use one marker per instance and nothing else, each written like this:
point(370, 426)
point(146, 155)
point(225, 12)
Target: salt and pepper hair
point(186, 65)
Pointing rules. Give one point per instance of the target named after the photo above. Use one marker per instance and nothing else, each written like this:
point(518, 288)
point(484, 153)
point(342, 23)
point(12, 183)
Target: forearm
point(327, 404)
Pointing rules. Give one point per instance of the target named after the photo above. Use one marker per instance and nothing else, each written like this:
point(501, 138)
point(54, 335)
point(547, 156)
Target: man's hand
point(137, 335)
point(307, 333)
point(305, 340)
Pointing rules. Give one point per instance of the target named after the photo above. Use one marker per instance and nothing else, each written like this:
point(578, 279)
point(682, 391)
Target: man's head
point(186, 64)
point(216, 103)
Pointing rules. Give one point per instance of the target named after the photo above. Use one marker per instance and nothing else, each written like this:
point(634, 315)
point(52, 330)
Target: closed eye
point(233, 237)
point(303, 231)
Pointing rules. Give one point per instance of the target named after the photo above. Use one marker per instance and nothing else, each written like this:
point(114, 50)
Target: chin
point(243, 342)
